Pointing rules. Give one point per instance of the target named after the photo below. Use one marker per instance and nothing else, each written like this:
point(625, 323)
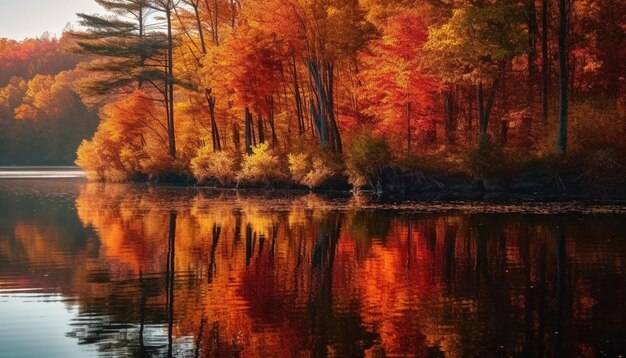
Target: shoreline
point(392, 189)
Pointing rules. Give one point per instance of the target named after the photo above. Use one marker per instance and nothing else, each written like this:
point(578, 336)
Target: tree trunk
point(484, 109)
point(170, 274)
point(216, 38)
point(215, 136)
point(482, 125)
point(338, 146)
point(261, 129)
point(561, 142)
point(322, 110)
point(532, 49)
point(170, 82)
point(298, 99)
point(270, 117)
point(545, 64)
point(470, 114)
point(236, 137)
point(408, 127)
point(199, 27)
point(450, 115)
point(248, 131)
point(318, 106)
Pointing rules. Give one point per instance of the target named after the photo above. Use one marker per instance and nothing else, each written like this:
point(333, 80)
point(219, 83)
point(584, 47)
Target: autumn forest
point(382, 94)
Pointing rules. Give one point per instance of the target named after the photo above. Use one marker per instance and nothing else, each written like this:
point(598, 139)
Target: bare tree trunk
point(561, 142)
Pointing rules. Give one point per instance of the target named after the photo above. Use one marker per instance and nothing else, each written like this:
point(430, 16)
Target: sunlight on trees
point(175, 81)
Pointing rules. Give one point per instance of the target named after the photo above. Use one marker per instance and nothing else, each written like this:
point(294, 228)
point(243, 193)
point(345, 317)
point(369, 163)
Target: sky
point(20, 19)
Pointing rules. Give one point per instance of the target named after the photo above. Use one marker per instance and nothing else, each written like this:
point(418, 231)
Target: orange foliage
point(130, 140)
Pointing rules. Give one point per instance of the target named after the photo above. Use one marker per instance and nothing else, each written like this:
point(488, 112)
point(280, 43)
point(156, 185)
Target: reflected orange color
point(293, 277)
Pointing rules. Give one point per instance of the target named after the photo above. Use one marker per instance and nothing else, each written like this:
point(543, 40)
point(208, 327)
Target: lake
point(89, 269)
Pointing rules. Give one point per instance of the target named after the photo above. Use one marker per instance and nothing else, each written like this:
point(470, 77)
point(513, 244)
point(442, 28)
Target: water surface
point(131, 270)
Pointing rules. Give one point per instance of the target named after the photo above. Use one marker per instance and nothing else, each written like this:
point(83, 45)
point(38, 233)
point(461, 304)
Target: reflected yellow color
point(290, 276)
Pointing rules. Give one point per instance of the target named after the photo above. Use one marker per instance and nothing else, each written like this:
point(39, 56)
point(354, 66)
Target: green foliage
point(208, 164)
point(476, 40)
point(366, 158)
point(262, 166)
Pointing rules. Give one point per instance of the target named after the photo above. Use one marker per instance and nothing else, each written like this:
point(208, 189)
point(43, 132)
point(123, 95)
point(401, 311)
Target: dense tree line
point(42, 117)
point(221, 88)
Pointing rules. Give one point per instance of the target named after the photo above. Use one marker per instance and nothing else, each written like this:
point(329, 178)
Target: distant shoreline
point(41, 172)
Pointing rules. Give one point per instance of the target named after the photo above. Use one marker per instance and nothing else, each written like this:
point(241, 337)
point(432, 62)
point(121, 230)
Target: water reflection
point(178, 272)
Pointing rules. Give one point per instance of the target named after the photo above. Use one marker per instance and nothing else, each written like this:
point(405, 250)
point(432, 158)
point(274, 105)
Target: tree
point(561, 141)
point(475, 45)
point(396, 90)
point(167, 7)
point(128, 56)
point(545, 62)
point(333, 30)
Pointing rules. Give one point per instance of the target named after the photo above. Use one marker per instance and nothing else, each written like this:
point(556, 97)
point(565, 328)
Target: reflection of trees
point(222, 274)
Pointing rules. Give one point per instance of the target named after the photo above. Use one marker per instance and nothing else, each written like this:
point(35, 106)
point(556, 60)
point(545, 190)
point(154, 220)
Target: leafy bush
point(299, 166)
point(366, 158)
point(214, 165)
point(263, 166)
point(310, 172)
point(100, 162)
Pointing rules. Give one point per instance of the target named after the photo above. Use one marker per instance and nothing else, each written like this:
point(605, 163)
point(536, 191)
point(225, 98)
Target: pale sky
point(20, 19)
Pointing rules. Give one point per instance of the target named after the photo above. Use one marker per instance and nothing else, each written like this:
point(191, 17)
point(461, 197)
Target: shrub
point(263, 166)
point(366, 158)
point(299, 166)
point(307, 171)
point(320, 172)
point(486, 160)
point(601, 170)
point(214, 165)
point(595, 126)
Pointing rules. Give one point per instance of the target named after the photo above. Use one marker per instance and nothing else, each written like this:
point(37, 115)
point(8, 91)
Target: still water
point(128, 270)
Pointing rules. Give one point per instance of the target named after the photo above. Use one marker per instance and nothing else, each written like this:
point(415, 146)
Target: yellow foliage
point(307, 171)
point(263, 166)
point(299, 166)
point(219, 165)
